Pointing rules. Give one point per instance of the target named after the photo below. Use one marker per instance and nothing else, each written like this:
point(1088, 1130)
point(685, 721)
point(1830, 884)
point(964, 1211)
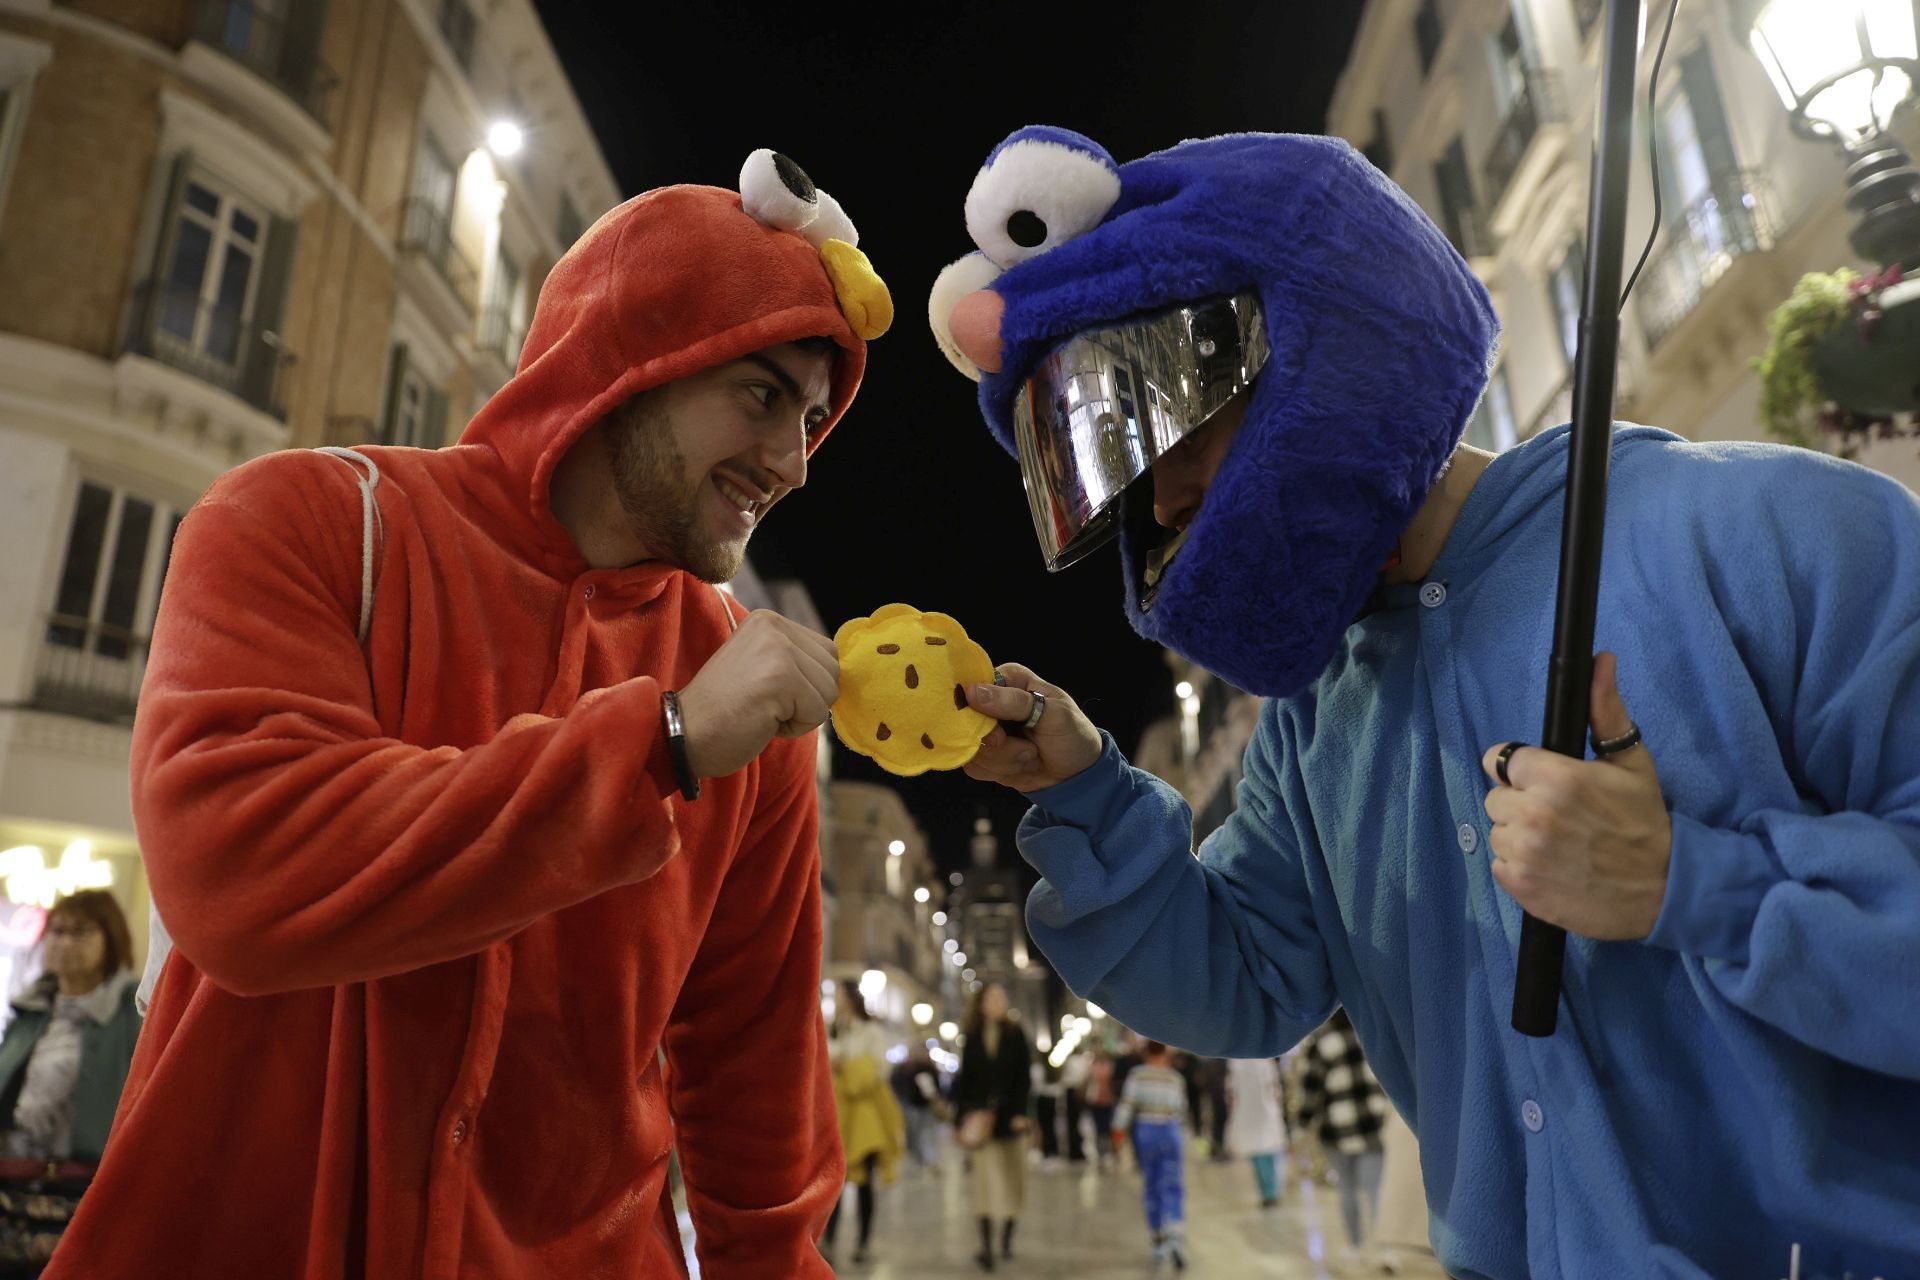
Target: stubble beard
point(660, 501)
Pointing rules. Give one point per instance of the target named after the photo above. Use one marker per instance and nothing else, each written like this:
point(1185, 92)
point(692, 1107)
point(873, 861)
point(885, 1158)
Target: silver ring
point(1614, 746)
point(1039, 709)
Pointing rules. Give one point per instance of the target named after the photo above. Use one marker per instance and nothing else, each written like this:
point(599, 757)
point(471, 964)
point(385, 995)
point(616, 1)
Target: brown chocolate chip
point(883, 733)
point(913, 677)
point(936, 640)
point(889, 648)
point(959, 697)
point(926, 742)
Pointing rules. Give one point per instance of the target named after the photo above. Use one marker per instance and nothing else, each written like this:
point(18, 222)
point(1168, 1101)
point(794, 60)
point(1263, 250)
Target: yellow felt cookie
point(903, 690)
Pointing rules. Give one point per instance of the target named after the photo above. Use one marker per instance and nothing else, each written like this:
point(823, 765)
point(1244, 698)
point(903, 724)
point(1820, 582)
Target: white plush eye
point(958, 279)
point(832, 224)
point(777, 191)
point(1034, 196)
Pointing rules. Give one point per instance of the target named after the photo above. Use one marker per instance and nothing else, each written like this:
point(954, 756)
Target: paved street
point(1088, 1225)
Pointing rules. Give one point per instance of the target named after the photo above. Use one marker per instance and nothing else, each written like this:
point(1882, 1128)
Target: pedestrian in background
point(1153, 1105)
point(63, 1064)
point(1342, 1101)
point(1102, 1098)
point(872, 1130)
point(994, 1081)
point(1255, 1131)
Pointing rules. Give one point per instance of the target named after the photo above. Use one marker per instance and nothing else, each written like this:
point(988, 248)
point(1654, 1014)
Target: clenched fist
point(773, 677)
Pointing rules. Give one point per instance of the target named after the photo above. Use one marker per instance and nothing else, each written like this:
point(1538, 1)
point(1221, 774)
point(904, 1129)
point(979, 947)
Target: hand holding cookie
point(772, 678)
point(1052, 740)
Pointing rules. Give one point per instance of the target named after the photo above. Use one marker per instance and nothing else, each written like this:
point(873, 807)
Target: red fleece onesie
point(436, 902)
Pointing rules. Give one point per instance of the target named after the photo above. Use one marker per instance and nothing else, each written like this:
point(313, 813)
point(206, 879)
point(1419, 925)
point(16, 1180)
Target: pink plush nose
point(975, 327)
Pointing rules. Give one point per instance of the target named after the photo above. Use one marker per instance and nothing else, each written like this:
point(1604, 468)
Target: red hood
point(668, 283)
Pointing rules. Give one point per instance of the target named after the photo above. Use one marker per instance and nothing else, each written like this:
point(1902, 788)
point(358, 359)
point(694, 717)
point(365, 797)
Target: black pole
point(1536, 988)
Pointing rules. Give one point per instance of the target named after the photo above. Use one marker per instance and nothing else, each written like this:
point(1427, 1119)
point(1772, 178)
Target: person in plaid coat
point(1344, 1105)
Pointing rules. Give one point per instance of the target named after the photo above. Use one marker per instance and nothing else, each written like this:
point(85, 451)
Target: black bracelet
point(677, 745)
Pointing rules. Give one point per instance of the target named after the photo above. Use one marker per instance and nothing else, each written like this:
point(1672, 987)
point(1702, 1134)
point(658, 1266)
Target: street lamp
point(1843, 68)
point(872, 983)
point(922, 1014)
point(922, 894)
point(897, 847)
point(939, 918)
point(949, 1031)
point(505, 138)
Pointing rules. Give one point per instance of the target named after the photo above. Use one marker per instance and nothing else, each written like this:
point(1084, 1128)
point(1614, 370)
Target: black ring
point(1500, 761)
point(1614, 746)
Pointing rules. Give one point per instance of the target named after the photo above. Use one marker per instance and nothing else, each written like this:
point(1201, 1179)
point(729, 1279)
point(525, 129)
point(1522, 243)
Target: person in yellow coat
point(873, 1131)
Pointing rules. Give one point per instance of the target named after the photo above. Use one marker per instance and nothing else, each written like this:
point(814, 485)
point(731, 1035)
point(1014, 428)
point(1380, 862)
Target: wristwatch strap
point(677, 745)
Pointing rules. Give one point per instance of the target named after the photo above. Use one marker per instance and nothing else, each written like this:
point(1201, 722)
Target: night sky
point(910, 499)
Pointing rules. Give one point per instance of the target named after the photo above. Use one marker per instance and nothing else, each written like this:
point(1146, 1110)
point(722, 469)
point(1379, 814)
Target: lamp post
point(1843, 69)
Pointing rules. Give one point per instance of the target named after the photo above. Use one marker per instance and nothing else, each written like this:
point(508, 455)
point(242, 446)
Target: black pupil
point(1026, 230)
point(793, 177)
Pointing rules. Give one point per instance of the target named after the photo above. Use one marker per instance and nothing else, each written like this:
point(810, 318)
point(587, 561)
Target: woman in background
point(873, 1132)
point(63, 1064)
point(994, 1077)
point(1254, 1128)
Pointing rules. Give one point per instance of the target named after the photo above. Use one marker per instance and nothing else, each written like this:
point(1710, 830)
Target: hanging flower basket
point(1843, 360)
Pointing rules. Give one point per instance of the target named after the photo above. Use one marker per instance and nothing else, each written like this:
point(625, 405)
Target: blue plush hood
point(1381, 338)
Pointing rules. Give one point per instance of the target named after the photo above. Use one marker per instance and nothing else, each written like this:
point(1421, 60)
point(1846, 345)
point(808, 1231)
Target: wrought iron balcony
point(1699, 244)
point(88, 669)
point(428, 231)
point(1538, 102)
point(258, 37)
point(498, 333)
point(1471, 235)
point(215, 343)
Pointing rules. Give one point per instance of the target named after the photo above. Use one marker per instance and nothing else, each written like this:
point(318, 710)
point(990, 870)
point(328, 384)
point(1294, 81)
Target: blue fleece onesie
point(1745, 1078)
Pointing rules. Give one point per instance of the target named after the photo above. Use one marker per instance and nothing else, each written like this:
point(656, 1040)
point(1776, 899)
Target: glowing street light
point(922, 1014)
point(1183, 690)
point(897, 847)
point(922, 894)
point(505, 138)
point(872, 983)
point(949, 1031)
point(940, 917)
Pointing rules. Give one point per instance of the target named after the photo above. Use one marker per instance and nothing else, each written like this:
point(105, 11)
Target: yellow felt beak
point(863, 295)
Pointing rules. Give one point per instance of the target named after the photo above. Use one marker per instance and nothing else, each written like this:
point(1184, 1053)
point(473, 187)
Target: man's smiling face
point(698, 462)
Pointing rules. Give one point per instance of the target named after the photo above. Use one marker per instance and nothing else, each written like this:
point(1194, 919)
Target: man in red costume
point(459, 955)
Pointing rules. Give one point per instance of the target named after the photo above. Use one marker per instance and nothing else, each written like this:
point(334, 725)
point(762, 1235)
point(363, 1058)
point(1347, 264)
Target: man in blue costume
point(1252, 358)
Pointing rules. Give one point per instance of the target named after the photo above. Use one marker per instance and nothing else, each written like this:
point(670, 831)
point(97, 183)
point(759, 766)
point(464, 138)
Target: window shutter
point(300, 56)
point(396, 378)
point(147, 297)
point(433, 432)
point(266, 351)
point(1709, 116)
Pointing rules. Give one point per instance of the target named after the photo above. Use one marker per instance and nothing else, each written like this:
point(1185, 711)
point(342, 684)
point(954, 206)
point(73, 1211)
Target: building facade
point(229, 227)
point(882, 935)
point(1483, 110)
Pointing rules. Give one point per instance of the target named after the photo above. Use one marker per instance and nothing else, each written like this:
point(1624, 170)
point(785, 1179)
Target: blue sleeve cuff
point(1092, 797)
point(1715, 883)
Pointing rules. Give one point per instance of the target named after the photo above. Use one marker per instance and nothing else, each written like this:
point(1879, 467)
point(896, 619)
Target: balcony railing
point(1700, 244)
point(428, 231)
point(89, 669)
point(257, 38)
point(498, 333)
point(1471, 235)
point(217, 344)
point(1538, 102)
